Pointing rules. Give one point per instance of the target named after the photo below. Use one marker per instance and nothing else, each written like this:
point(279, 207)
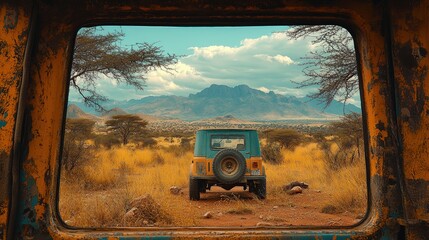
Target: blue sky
point(179, 40)
point(262, 57)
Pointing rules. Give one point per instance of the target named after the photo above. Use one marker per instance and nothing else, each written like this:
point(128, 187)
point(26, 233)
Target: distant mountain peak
point(238, 102)
point(223, 91)
point(73, 111)
point(114, 112)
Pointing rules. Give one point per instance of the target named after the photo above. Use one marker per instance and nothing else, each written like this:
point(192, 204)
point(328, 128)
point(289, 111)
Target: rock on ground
point(261, 224)
point(295, 190)
point(208, 215)
point(175, 190)
point(294, 184)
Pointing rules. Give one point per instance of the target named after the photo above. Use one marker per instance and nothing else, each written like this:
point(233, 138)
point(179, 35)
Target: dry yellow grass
point(305, 164)
point(116, 176)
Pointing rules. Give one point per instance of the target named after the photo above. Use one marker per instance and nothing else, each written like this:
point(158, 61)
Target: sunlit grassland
point(99, 193)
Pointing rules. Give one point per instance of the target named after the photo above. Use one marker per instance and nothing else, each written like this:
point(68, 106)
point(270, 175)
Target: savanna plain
point(104, 186)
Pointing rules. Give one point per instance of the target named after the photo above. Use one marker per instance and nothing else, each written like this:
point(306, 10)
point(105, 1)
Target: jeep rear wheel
point(194, 189)
point(229, 166)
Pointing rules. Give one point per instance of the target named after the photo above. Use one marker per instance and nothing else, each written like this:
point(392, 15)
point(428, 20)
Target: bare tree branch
point(332, 67)
point(97, 54)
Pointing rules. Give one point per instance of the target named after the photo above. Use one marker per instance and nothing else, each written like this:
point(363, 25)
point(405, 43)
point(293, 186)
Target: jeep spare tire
point(229, 166)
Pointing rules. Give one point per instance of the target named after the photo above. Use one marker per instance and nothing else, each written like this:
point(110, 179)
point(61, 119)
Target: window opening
point(143, 101)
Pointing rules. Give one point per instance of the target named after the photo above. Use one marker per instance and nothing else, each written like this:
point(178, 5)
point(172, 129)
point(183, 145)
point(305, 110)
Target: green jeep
point(227, 158)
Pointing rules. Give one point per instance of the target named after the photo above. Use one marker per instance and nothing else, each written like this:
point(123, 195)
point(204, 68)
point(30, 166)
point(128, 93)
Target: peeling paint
point(403, 145)
point(10, 19)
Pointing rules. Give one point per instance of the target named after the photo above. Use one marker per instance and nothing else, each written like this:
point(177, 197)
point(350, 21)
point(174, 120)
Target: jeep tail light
point(255, 165)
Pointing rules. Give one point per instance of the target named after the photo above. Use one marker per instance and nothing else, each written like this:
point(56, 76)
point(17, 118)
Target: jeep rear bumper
point(244, 179)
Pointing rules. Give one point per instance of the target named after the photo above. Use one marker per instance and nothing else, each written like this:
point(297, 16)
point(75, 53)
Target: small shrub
point(240, 211)
point(177, 150)
point(158, 158)
point(107, 141)
point(185, 143)
point(287, 138)
point(272, 153)
point(149, 142)
point(329, 209)
point(146, 211)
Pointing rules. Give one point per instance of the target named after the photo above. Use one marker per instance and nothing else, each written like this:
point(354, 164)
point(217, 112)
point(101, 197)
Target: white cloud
point(265, 61)
point(214, 51)
point(291, 91)
point(355, 100)
point(269, 62)
point(277, 58)
point(264, 89)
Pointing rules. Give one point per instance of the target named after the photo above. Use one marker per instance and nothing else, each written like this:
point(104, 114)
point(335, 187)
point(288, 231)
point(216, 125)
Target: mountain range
point(240, 101)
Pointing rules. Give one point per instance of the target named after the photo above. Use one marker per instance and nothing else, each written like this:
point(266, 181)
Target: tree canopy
point(287, 138)
point(126, 126)
point(332, 66)
point(347, 135)
point(349, 131)
point(97, 55)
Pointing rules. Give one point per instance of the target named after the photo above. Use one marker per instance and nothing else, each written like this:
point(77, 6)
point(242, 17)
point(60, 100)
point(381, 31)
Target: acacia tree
point(349, 131)
point(126, 126)
point(347, 135)
point(77, 131)
point(98, 55)
point(287, 138)
point(332, 66)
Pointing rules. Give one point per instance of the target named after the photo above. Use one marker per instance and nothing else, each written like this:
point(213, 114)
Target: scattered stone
point(291, 185)
point(220, 214)
point(261, 216)
point(175, 190)
point(275, 207)
point(360, 216)
point(295, 190)
point(224, 197)
point(131, 213)
point(318, 191)
point(208, 215)
point(264, 224)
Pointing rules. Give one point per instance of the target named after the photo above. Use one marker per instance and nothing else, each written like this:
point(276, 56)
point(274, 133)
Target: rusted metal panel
point(14, 24)
point(395, 97)
point(410, 44)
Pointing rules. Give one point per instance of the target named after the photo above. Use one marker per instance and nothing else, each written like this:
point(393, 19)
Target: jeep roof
point(203, 149)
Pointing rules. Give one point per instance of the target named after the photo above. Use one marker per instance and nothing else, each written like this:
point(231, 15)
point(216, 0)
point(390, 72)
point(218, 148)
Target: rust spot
point(10, 19)
point(414, 75)
point(4, 158)
point(380, 126)
point(3, 45)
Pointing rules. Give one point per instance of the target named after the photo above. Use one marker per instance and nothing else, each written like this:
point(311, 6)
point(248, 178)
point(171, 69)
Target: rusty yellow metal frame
point(391, 37)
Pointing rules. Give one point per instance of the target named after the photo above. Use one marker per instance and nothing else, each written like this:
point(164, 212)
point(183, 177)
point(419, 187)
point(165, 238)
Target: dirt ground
point(240, 208)
point(234, 208)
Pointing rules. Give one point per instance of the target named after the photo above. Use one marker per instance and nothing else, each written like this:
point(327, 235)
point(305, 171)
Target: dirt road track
point(240, 208)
